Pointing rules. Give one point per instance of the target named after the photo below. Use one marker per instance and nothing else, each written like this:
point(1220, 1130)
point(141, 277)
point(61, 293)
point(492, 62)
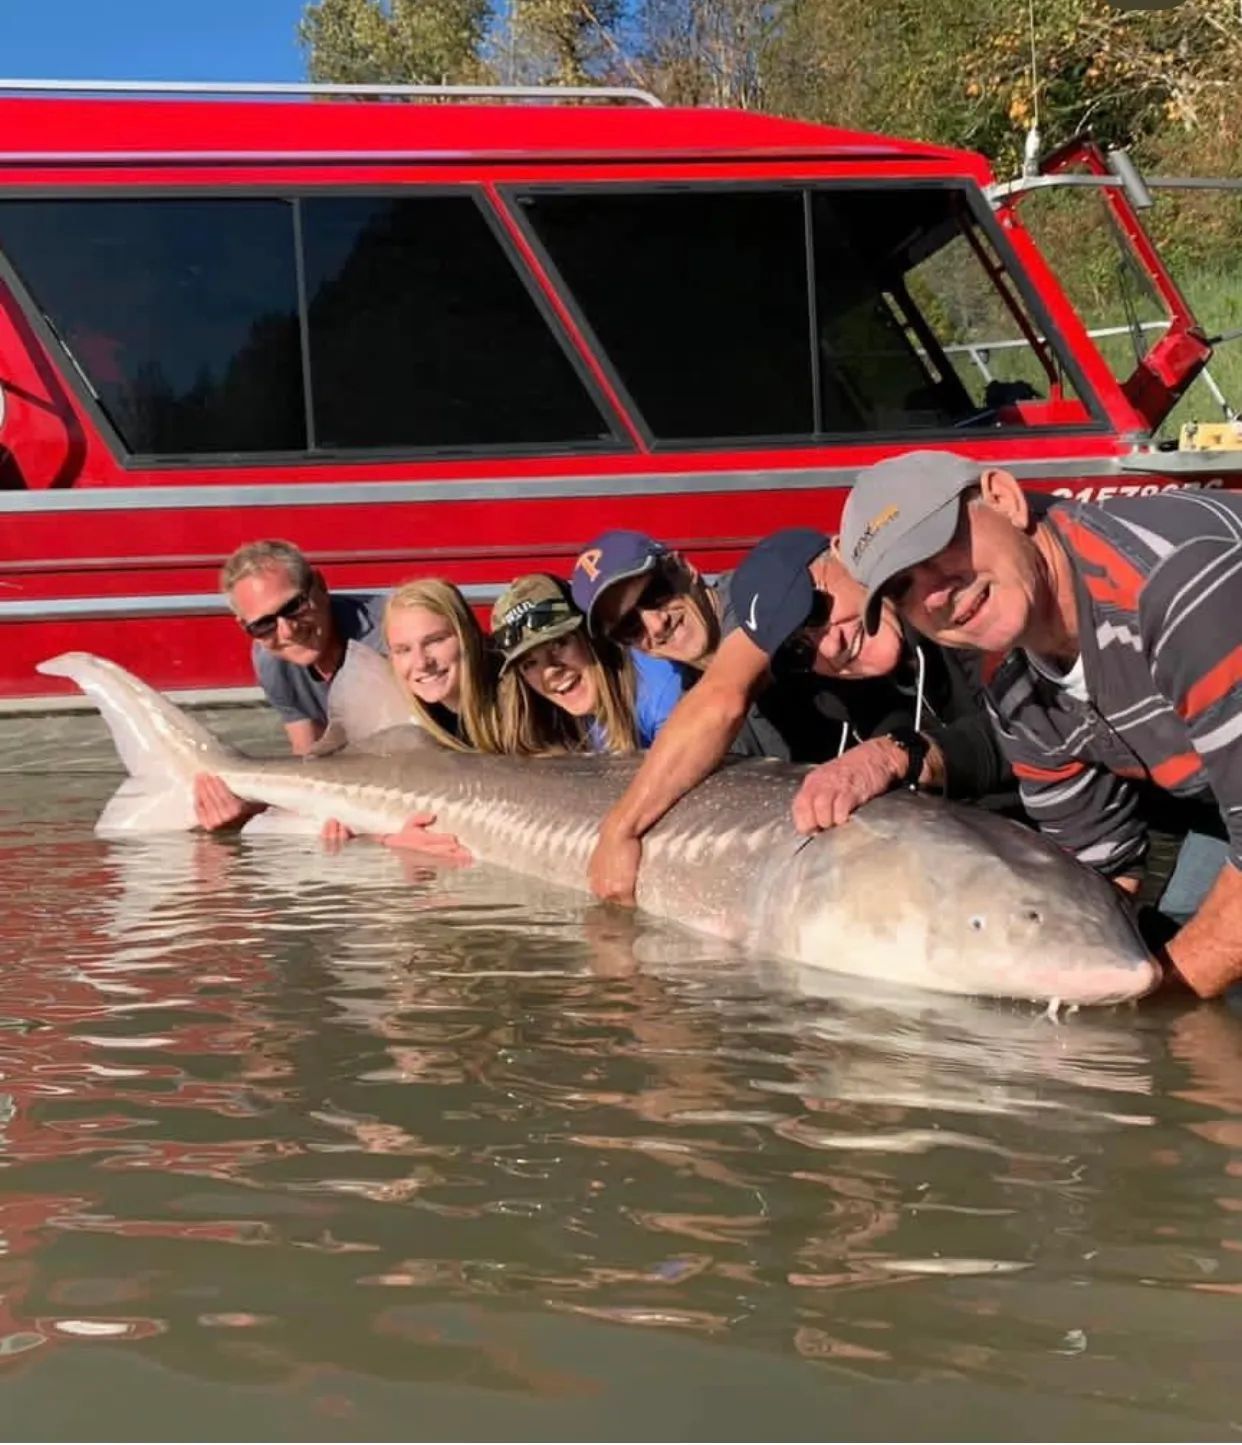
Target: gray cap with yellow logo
point(900, 512)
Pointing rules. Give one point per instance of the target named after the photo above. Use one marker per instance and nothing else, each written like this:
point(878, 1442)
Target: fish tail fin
point(160, 747)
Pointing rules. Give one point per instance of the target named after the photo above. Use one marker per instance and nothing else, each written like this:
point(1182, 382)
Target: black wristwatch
point(916, 748)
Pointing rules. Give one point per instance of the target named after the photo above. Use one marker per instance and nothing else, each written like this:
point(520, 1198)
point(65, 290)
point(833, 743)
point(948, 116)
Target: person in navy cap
point(637, 593)
point(885, 708)
point(642, 595)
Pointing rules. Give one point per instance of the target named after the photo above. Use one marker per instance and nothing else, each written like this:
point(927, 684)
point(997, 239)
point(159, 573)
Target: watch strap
point(916, 747)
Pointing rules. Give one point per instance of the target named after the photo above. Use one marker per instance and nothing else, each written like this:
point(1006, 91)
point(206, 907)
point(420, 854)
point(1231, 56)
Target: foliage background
point(1166, 83)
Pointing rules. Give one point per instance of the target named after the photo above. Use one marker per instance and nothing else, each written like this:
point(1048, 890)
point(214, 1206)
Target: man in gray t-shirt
point(299, 692)
point(300, 633)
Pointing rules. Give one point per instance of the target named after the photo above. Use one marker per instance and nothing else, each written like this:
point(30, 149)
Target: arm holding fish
point(837, 788)
point(334, 835)
point(957, 752)
point(1188, 615)
point(216, 806)
point(1206, 952)
point(691, 745)
point(414, 836)
point(961, 759)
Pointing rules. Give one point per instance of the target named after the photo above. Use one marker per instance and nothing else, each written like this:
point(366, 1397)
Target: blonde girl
point(440, 656)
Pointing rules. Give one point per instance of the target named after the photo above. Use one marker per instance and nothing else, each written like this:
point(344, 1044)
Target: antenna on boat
point(1030, 148)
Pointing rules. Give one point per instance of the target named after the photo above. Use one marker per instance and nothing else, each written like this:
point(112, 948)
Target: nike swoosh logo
point(752, 621)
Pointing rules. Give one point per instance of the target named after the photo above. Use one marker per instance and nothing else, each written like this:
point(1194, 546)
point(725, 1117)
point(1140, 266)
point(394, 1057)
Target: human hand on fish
point(217, 807)
point(415, 835)
point(613, 870)
point(835, 789)
point(334, 835)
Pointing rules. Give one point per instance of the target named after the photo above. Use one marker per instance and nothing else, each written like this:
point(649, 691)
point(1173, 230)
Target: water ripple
point(248, 1091)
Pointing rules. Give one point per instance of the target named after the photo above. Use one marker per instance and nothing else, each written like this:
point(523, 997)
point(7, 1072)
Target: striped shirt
point(1158, 582)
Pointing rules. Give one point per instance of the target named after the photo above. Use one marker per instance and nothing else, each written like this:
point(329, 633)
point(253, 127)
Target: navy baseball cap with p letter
point(611, 558)
point(900, 512)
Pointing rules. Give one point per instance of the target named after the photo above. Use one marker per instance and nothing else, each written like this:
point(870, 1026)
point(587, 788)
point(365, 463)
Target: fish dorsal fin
point(333, 740)
point(365, 697)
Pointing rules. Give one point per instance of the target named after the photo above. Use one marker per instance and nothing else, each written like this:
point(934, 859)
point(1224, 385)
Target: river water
point(335, 1147)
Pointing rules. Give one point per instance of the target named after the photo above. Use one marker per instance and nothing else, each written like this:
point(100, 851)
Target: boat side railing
point(979, 353)
point(556, 94)
point(1004, 190)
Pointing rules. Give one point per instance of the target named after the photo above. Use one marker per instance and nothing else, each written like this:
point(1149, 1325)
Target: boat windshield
point(883, 308)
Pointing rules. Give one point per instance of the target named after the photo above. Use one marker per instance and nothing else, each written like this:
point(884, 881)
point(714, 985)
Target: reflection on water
point(416, 1153)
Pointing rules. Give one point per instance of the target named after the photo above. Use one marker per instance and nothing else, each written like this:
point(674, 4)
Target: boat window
point(700, 301)
point(422, 334)
point(407, 326)
point(180, 314)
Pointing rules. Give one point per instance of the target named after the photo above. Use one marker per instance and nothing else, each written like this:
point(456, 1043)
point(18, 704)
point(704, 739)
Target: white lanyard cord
point(918, 693)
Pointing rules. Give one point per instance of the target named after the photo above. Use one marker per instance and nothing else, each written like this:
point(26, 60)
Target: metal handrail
point(979, 353)
point(298, 88)
point(1010, 343)
point(1002, 190)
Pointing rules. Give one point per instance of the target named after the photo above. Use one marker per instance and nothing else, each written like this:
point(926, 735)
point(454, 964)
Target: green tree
point(708, 52)
point(1131, 77)
point(562, 42)
point(1163, 81)
point(417, 42)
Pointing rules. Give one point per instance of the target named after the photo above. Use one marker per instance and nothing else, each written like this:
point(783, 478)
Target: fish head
point(1028, 920)
point(952, 898)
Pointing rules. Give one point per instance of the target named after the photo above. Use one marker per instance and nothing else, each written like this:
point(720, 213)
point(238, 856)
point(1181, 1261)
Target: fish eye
point(1033, 915)
point(977, 922)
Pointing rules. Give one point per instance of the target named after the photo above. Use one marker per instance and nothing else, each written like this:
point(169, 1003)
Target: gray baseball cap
point(900, 512)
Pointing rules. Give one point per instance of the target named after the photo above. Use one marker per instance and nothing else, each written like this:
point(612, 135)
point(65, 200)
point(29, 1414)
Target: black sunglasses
point(265, 626)
point(536, 619)
point(796, 655)
point(629, 629)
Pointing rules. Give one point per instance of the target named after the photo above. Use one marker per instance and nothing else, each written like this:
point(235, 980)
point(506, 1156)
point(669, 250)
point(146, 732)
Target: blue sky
point(151, 39)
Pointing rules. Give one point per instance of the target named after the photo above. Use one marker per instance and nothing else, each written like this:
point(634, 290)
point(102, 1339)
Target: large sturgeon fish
point(912, 890)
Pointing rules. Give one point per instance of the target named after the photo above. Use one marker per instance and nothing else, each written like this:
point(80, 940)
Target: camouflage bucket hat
point(534, 610)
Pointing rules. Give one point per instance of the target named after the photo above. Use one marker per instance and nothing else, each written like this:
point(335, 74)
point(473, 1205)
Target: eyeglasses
point(629, 629)
point(514, 630)
point(796, 655)
point(265, 626)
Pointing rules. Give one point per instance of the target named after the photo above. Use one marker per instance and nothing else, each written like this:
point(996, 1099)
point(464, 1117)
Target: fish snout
point(1099, 959)
point(1041, 948)
point(1106, 982)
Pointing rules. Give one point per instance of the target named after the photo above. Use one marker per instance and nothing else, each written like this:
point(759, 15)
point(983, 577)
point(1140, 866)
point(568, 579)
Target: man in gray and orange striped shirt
point(1116, 637)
